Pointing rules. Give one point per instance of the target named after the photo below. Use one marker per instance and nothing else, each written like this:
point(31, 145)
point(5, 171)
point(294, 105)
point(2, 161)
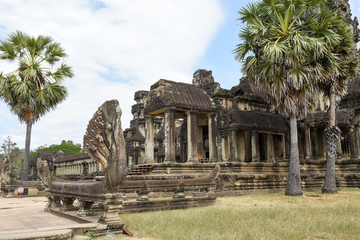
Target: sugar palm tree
point(339, 68)
point(35, 86)
point(279, 51)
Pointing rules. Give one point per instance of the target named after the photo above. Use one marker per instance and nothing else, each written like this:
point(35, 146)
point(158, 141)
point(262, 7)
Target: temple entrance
point(262, 146)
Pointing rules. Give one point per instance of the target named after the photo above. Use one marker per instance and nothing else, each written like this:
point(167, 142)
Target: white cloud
point(114, 51)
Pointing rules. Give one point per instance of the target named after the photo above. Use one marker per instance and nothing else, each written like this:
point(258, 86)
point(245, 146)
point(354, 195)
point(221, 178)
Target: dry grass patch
point(271, 216)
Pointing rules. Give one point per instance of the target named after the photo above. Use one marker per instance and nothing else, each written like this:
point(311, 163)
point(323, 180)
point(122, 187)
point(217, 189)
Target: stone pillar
point(283, 141)
point(255, 146)
point(111, 209)
point(353, 143)
point(357, 136)
point(269, 148)
point(248, 151)
point(85, 168)
point(149, 139)
point(169, 136)
point(191, 137)
point(307, 144)
point(234, 156)
point(212, 140)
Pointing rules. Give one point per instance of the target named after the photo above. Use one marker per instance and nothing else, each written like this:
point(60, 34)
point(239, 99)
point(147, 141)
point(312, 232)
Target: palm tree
point(339, 68)
point(280, 49)
point(34, 87)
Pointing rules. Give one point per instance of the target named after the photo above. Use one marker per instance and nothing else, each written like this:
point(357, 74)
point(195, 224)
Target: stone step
point(64, 232)
point(29, 234)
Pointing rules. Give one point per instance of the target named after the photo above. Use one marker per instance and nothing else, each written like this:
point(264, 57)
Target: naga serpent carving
point(104, 142)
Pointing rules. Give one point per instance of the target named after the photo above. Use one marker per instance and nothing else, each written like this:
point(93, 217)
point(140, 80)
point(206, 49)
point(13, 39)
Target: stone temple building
point(201, 122)
point(189, 128)
point(186, 129)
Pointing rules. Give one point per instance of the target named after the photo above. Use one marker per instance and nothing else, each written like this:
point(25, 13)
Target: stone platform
point(239, 178)
point(25, 218)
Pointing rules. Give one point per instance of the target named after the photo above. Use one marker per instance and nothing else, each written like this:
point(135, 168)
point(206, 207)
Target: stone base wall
point(243, 178)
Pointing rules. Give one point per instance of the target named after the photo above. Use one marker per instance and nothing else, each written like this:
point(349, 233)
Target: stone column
point(255, 146)
point(283, 141)
point(212, 140)
point(169, 140)
point(234, 156)
point(247, 140)
point(192, 138)
point(149, 139)
point(269, 148)
point(307, 144)
point(357, 136)
point(353, 142)
point(111, 209)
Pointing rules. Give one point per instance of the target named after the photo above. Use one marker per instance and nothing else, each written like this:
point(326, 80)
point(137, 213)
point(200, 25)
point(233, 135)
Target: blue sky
point(117, 47)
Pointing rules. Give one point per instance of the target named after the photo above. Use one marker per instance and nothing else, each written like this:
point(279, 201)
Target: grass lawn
point(271, 216)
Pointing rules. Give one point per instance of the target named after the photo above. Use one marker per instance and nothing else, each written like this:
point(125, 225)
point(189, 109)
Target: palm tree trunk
point(332, 134)
point(25, 171)
point(293, 186)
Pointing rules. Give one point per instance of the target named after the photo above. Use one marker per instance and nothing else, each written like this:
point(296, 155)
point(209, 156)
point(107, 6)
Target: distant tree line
point(65, 146)
point(15, 155)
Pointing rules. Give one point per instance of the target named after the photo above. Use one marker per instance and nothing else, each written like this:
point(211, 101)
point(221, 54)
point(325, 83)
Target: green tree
point(35, 86)
point(66, 146)
point(279, 50)
point(7, 147)
point(339, 68)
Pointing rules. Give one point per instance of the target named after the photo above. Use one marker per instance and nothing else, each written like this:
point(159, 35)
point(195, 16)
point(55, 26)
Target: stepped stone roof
point(166, 93)
point(243, 88)
point(48, 156)
point(252, 120)
point(137, 136)
point(344, 117)
point(43, 156)
point(79, 156)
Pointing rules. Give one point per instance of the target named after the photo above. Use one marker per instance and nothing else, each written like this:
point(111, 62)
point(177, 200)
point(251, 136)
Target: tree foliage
point(284, 43)
point(35, 86)
point(65, 146)
point(13, 154)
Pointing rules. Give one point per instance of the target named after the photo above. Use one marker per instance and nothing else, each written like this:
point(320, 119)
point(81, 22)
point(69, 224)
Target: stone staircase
point(141, 169)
